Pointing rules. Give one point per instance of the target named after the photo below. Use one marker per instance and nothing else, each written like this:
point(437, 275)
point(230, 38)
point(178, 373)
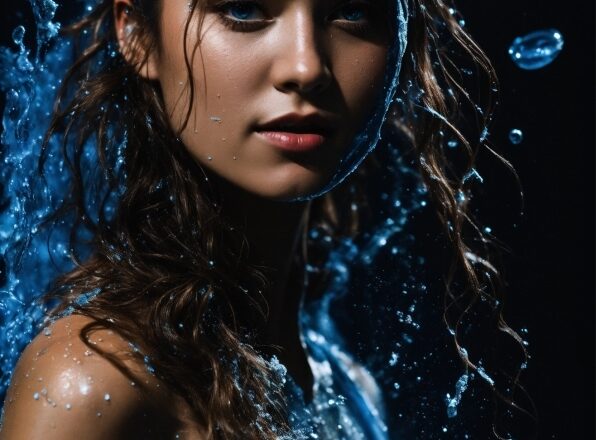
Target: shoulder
point(63, 388)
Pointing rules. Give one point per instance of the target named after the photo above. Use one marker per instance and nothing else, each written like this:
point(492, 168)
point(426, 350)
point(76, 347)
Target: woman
point(224, 132)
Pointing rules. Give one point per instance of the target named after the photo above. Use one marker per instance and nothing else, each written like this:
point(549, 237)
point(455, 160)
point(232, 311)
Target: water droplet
point(536, 49)
point(18, 34)
point(47, 331)
point(68, 406)
point(36, 396)
point(394, 359)
point(106, 397)
point(452, 143)
point(516, 136)
point(473, 174)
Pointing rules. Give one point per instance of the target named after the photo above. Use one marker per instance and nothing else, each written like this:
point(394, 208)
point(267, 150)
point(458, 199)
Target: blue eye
point(352, 12)
point(243, 11)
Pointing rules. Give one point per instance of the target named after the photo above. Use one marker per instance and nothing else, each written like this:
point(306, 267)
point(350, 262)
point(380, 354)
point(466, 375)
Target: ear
point(134, 45)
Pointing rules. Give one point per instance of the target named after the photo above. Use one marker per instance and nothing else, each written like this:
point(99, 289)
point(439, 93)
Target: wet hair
point(171, 270)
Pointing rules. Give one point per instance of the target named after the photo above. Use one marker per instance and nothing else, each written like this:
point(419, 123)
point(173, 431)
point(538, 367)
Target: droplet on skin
point(36, 396)
point(106, 397)
point(215, 118)
point(536, 49)
point(209, 158)
point(516, 136)
point(68, 406)
point(47, 331)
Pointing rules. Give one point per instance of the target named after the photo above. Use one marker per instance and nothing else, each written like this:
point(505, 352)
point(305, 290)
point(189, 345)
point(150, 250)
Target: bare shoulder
point(63, 388)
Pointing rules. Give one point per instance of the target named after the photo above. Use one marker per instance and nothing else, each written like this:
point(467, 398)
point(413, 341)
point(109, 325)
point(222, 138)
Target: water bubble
point(18, 34)
point(516, 136)
point(536, 49)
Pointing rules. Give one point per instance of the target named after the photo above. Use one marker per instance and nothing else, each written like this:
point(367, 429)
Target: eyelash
point(234, 24)
point(222, 9)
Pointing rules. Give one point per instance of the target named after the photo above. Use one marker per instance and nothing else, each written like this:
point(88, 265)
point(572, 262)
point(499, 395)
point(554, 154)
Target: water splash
point(536, 49)
point(31, 253)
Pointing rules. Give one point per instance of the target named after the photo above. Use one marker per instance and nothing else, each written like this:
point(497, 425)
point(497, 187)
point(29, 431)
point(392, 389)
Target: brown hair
point(171, 272)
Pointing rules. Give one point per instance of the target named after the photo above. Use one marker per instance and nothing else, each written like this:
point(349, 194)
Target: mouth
point(297, 133)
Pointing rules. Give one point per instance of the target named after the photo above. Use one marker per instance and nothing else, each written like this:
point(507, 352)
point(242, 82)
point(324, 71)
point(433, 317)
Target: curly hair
point(170, 269)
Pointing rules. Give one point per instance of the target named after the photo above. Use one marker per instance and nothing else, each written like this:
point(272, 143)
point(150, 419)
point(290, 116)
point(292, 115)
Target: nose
point(301, 66)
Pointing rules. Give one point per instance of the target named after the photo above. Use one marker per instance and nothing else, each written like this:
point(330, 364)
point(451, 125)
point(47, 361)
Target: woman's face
point(317, 64)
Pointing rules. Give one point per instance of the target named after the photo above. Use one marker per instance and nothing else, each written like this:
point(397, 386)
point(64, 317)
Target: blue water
point(537, 49)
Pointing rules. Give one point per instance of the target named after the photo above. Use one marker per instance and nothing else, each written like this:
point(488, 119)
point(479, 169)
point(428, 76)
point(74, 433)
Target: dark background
point(550, 265)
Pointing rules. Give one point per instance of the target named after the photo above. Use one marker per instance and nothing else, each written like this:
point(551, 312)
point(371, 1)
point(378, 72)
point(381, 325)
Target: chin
point(289, 186)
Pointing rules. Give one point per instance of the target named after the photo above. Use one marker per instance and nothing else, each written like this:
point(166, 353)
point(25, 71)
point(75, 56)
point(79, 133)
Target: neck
point(273, 230)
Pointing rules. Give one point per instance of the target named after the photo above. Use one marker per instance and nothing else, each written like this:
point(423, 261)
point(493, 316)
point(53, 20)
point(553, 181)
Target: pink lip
point(298, 132)
point(297, 142)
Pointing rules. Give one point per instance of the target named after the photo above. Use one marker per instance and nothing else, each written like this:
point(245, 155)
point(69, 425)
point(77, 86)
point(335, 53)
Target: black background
point(550, 265)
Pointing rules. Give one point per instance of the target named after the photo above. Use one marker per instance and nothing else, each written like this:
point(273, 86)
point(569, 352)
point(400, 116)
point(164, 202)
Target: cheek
point(360, 74)
point(225, 79)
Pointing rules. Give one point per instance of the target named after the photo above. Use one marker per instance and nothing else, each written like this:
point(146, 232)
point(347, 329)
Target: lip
point(297, 133)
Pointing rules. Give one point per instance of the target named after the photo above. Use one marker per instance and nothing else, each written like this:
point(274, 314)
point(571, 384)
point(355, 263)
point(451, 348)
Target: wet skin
point(254, 63)
point(301, 56)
